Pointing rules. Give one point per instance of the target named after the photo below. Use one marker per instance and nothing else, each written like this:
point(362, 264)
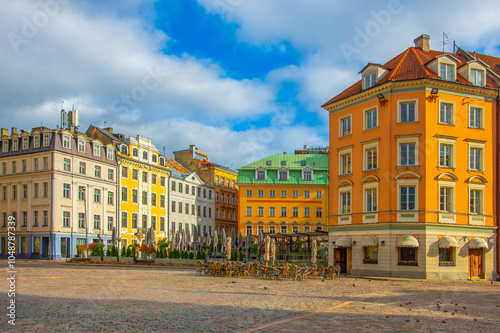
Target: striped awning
point(407, 241)
point(369, 241)
point(446, 242)
point(477, 243)
point(343, 241)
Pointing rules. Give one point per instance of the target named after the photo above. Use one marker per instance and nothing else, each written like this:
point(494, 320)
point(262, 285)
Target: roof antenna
point(445, 41)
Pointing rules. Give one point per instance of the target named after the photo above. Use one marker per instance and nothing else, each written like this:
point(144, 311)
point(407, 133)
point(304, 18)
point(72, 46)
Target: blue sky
point(241, 79)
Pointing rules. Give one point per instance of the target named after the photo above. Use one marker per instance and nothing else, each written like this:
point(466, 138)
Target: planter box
point(126, 259)
point(110, 258)
point(144, 256)
point(178, 261)
point(95, 258)
point(162, 260)
point(153, 256)
point(193, 261)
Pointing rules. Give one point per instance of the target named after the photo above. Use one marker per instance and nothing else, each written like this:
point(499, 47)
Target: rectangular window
point(475, 118)
point(180, 207)
point(272, 193)
point(446, 72)
point(135, 174)
point(26, 143)
point(173, 205)
point(124, 194)
point(81, 193)
point(261, 175)
point(66, 142)
point(319, 194)
point(186, 208)
point(81, 220)
point(82, 168)
point(193, 209)
point(110, 153)
point(25, 219)
point(307, 212)
point(15, 144)
point(162, 201)
point(260, 193)
point(407, 153)
point(4, 168)
point(124, 220)
point(407, 256)
point(345, 126)
point(135, 195)
point(111, 174)
point(24, 166)
point(475, 202)
point(477, 77)
point(145, 198)
point(144, 221)
point(110, 223)
point(282, 174)
point(162, 181)
point(5, 146)
point(162, 223)
point(45, 163)
point(445, 155)
point(446, 256)
point(407, 112)
point(45, 218)
point(407, 197)
point(153, 199)
point(46, 139)
point(284, 229)
point(283, 193)
point(97, 172)
point(223, 195)
point(295, 193)
point(81, 146)
point(295, 211)
point(97, 150)
point(111, 198)
point(36, 141)
point(35, 190)
point(186, 188)
point(370, 255)
point(66, 189)
point(260, 211)
point(249, 193)
point(283, 211)
point(97, 195)
point(35, 218)
point(205, 193)
point(370, 80)
point(307, 194)
point(307, 175)
point(272, 211)
point(371, 158)
point(475, 159)
point(446, 113)
point(445, 199)
point(134, 220)
point(371, 200)
point(124, 172)
point(97, 222)
point(345, 203)
point(25, 192)
point(371, 119)
point(66, 219)
point(249, 211)
point(14, 192)
point(145, 178)
point(67, 164)
point(345, 164)
point(45, 190)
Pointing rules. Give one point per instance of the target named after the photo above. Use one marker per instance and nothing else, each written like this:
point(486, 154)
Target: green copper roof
point(294, 163)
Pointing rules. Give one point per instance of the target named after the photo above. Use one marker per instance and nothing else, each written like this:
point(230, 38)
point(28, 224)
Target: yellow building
point(143, 187)
point(419, 201)
point(283, 194)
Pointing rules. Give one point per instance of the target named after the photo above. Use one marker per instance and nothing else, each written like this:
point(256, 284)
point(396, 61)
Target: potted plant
point(111, 254)
point(144, 251)
point(81, 250)
point(151, 251)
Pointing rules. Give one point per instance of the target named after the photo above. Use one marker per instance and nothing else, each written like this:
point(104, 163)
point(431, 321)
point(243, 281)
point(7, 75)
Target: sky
point(240, 79)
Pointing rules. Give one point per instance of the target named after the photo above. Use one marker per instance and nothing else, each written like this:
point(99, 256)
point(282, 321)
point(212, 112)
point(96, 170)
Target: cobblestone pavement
point(59, 297)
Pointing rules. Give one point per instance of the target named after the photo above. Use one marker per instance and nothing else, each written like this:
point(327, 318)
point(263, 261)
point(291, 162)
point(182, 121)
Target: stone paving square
point(60, 297)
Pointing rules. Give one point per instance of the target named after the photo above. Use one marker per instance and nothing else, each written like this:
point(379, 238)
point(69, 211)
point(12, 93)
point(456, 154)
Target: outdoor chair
point(272, 273)
point(245, 270)
point(330, 272)
point(320, 272)
point(337, 272)
point(256, 270)
point(200, 267)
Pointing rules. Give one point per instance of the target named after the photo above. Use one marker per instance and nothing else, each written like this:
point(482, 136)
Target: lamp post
point(84, 196)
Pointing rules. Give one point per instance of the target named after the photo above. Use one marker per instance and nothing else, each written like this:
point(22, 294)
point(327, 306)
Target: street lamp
point(83, 192)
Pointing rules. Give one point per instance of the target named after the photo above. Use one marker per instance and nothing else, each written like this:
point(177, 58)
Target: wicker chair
point(336, 275)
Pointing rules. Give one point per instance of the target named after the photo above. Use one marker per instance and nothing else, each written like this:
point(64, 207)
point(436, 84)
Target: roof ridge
point(419, 61)
point(395, 69)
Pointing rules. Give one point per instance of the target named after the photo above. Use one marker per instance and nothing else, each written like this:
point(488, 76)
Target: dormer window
point(110, 153)
point(303, 163)
point(26, 143)
point(282, 174)
point(153, 158)
point(370, 80)
point(123, 149)
point(268, 162)
point(283, 162)
point(81, 146)
point(260, 173)
point(36, 141)
point(66, 142)
point(97, 150)
point(447, 72)
point(5, 146)
point(477, 77)
point(162, 161)
point(307, 173)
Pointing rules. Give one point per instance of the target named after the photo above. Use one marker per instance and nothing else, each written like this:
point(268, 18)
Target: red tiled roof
point(491, 61)
point(410, 65)
point(177, 166)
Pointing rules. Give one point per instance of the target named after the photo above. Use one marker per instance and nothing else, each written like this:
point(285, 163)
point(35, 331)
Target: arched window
point(135, 152)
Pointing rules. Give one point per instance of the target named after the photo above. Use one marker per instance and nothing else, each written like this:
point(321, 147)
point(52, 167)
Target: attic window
point(303, 163)
point(268, 163)
point(370, 80)
point(283, 162)
point(477, 77)
point(446, 72)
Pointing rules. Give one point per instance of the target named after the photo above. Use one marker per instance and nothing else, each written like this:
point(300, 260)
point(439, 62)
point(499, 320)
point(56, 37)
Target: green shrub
point(191, 255)
point(108, 252)
point(123, 252)
point(255, 248)
point(203, 255)
point(241, 256)
point(129, 252)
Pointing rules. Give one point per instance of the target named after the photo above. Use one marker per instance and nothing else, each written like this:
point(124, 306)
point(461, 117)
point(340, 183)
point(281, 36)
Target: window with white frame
point(371, 199)
point(259, 192)
point(307, 194)
point(272, 211)
point(272, 229)
point(476, 156)
point(446, 155)
point(345, 126)
point(476, 117)
point(283, 193)
point(26, 143)
point(15, 144)
point(97, 149)
point(345, 163)
point(307, 211)
point(477, 77)
point(345, 203)
point(476, 201)
point(295, 194)
point(5, 146)
point(36, 141)
point(307, 174)
point(66, 164)
point(272, 193)
point(319, 212)
point(97, 171)
point(407, 111)
point(370, 80)
point(284, 229)
point(371, 156)
point(283, 211)
point(82, 168)
point(249, 193)
point(446, 199)
point(283, 174)
point(249, 229)
point(407, 197)
point(295, 211)
point(66, 216)
point(260, 174)
point(110, 153)
point(260, 211)
point(66, 190)
point(446, 113)
point(249, 211)
point(447, 72)
point(66, 142)
point(408, 151)
point(319, 194)
point(371, 119)
point(46, 139)
point(81, 146)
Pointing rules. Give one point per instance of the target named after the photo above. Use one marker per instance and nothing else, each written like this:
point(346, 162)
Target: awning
point(407, 241)
point(446, 242)
point(369, 241)
point(477, 243)
point(343, 241)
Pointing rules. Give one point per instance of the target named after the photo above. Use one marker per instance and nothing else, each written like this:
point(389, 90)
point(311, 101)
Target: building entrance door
point(476, 263)
point(45, 247)
point(341, 259)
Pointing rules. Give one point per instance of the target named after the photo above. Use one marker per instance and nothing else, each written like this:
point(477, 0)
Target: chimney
point(109, 129)
point(422, 42)
point(5, 132)
point(192, 150)
point(13, 131)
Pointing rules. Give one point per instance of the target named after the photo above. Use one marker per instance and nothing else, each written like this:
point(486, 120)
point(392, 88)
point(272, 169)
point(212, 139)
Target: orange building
point(419, 199)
